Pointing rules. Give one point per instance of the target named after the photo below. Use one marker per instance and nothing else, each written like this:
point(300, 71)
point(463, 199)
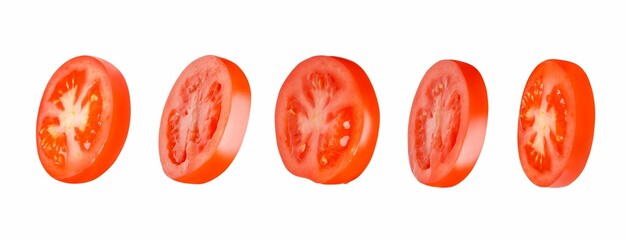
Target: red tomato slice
point(204, 120)
point(447, 123)
point(83, 120)
point(327, 119)
point(556, 123)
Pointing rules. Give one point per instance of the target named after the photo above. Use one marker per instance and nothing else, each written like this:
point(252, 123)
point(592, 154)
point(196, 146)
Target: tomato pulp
point(327, 119)
point(204, 120)
point(556, 123)
point(83, 119)
point(447, 123)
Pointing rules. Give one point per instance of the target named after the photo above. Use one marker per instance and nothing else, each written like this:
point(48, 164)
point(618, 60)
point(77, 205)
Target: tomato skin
point(366, 120)
point(581, 114)
point(228, 139)
point(119, 121)
point(471, 131)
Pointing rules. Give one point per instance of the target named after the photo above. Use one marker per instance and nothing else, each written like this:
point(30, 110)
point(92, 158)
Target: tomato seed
point(346, 125)
point(324, 160)
point(302, 148)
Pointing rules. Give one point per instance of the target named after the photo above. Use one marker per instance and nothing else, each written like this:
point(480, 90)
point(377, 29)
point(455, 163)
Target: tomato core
point(76, 119)
point(543, 117)
point(313, 123)
point(437, 125)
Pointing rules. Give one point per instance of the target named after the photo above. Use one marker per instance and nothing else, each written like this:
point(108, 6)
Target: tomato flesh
point(544, 122)
point(313, 127)
point(78, 119)
point(193, 125)
point(556, 123)
point(437, 125)
point(326, 120)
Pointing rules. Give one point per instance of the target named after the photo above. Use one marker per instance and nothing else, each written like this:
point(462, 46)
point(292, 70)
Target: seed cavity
point(546, 114)
point(77, 120)
point(194, 123)
point(434, 124)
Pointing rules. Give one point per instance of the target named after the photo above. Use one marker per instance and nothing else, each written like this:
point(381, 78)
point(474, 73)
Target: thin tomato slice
point(447, 123)
point(83, 120)
point(556, 123)
point(204, 120)
point(327, 119)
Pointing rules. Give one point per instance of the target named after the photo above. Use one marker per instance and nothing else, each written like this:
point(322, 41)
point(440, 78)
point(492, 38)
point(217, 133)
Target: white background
point(395, 43)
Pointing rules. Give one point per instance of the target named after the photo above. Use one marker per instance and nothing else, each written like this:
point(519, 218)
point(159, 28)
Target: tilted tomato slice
point(556, 123)
point(204, 120)
point(327, 119)
point(447, 123)
point(83, 120)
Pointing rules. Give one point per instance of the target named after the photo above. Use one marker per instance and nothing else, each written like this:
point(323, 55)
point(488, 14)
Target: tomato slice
point(327, 119)
point(447, 123)
point(83, 119)
point(556, 123)
point(204, 120)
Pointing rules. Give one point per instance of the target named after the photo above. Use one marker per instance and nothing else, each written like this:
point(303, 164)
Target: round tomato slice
point(327, 119)
point(556, 123)
point(204, 120)
point(447, 123)
point(83, 120)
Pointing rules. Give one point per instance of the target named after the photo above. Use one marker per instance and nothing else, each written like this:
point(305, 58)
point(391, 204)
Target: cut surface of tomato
point(447, 123)
point(327, 119)
point(556, 123)
point(83, 120)
point(204, 120)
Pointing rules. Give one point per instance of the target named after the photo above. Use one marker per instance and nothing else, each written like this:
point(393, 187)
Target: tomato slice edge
point(585, 104)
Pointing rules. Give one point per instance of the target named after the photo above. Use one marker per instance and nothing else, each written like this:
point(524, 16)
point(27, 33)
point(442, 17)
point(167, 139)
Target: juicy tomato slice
point(327, 119)
point(83, 119)
point(204, 120)
point(556, 123)
point(447, 123)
